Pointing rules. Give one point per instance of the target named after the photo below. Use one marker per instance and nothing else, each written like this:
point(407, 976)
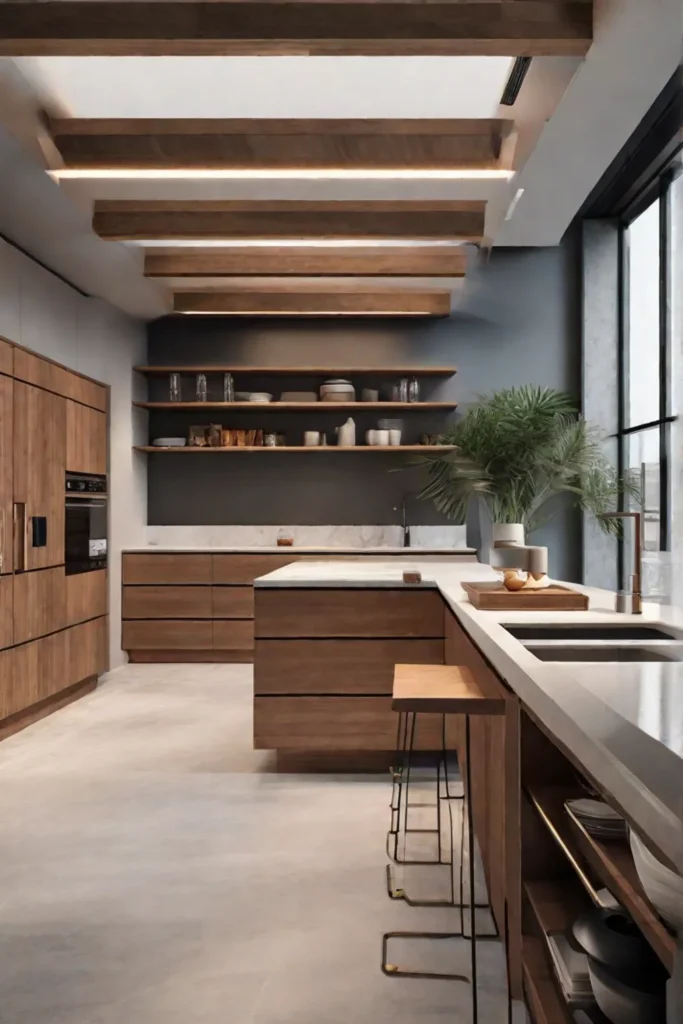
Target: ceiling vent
point(515, 81)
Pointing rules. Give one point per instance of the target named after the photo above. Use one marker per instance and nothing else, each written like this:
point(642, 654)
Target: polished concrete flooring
point(155, 870)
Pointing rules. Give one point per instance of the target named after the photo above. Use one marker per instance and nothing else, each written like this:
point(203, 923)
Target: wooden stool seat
point(441, 690)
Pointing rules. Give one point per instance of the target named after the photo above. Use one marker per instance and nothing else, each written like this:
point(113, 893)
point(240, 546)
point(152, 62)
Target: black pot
point(612, 938)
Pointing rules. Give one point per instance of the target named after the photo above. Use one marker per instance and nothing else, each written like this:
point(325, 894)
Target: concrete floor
point(155, 870)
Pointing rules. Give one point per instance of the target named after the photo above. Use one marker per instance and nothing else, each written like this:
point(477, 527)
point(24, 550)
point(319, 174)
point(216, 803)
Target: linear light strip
point(274, 174)
point(306, 312)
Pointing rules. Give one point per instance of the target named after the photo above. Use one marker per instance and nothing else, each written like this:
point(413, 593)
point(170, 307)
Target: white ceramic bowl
point(260, 396)
point(663, 887)
point(169, 442)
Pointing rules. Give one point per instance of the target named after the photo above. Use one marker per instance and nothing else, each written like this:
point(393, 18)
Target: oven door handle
point(85, 504)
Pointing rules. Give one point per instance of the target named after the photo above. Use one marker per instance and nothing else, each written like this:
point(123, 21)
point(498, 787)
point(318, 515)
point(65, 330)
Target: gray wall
point(518, 324)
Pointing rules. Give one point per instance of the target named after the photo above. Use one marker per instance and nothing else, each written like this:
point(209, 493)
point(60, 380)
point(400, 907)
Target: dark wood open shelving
point(610, 861)
point(301, 406)
point(544, 1001)
point(412, 449)
point(308, 371)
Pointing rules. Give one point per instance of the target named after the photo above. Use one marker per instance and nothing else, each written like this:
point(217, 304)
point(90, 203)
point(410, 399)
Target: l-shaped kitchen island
point(327, 637)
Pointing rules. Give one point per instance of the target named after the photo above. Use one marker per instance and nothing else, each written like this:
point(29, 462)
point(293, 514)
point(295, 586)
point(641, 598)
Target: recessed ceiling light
point(274, 174)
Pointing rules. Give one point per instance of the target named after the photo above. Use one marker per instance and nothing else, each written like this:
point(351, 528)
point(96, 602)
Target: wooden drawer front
point(6, 358)
point(235, 635)
point(36, 671)
point(166, 568)
point(337, 666)
point(335, 723)
point(39, 603)
point(86, 391)
point(44, 374)
point(246, 568)
point(6, 612)
point(168, 634)
point(86, 650)
point(167, 602)
point(354, 613)
point(86, 596)
point(233, 602)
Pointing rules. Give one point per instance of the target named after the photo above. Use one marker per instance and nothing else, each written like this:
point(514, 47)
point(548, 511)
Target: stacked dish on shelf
point(337, 390)
point(663, 887)
point(571, 967)
point(599, 819)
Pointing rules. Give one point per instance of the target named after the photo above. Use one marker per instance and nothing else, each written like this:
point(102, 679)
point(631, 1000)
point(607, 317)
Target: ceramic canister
point(370, 437)
point(311, 438)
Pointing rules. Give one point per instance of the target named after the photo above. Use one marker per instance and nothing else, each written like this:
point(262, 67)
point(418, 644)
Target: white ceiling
point(305, 87)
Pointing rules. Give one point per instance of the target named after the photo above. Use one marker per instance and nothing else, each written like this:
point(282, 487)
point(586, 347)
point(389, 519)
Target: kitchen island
point(327, 636)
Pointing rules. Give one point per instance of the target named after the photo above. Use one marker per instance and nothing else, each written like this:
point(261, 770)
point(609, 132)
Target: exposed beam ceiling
point(134, 27)
point(317, 261)
point(281, 144)
point(332, 303)
point(282, 219)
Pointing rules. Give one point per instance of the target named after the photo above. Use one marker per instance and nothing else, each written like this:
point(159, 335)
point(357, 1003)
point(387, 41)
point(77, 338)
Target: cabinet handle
point(20, 537)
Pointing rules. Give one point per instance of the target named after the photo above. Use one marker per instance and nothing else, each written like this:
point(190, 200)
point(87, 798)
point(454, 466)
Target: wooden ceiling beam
point(375, 261)
point(280, 144)
point(279, 27)
point(227, 219)
point(300, 302)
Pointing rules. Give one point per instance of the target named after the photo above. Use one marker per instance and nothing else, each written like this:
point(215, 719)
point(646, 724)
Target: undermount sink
point(586, 631)
point(611, 653)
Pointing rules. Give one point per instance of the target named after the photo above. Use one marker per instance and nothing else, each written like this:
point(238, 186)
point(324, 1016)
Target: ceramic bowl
point(612, 938)
point(663, 887)
point(169, 442)
point(627, 1004)
point(260, 396)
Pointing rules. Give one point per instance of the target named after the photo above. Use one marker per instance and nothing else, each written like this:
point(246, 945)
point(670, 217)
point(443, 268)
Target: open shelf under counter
point(313, 407)
point(410, 449)
point(308, 371)
point(609, 860)
point(543, 999)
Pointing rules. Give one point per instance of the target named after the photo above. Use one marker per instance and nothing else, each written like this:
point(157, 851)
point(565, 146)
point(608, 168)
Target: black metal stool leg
point(470, 853)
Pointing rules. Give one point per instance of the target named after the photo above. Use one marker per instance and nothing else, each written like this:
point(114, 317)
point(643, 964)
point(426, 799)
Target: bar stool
point(444, 690)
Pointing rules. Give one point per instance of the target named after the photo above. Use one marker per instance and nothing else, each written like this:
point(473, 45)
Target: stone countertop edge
point(171, 549)
point(643, 775)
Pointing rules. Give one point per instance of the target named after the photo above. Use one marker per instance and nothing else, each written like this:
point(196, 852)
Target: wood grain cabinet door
point(6, 612)
point(39, 469)
point(39, 603)
point(86, 439)
point(6, 472)
point(166, 602)
point(86, 596)
point(166, 568)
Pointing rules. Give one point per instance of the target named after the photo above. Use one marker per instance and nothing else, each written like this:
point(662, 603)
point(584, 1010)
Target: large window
point(646, 408)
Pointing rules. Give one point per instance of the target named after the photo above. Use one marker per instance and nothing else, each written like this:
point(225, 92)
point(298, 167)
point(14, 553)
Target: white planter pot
point(508, 533)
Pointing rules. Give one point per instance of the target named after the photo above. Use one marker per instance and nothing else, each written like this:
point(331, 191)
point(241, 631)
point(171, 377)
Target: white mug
point(311, 438)
point(395, 437)
point(382, 437)
point(371, 437)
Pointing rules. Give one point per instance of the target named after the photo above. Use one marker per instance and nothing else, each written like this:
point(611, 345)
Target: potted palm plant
point(518, 450)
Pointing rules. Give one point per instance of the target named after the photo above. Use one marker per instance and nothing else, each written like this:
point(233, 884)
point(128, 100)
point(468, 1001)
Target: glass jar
point(414, 390)
point(403, 389)
point(228, 388)
point(202, 389)
point(174, 392)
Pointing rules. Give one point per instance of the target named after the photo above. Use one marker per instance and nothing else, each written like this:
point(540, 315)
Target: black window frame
point(658, 187)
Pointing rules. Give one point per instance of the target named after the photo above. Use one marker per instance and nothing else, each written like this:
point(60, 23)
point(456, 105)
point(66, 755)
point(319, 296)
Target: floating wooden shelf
point(609, 861)
point(302, 406)
point(412, 449)
point(545, 1002)
point(308, 371)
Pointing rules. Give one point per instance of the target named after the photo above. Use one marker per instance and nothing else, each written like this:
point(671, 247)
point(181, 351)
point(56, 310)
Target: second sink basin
point(612, 653)
point(586, 631)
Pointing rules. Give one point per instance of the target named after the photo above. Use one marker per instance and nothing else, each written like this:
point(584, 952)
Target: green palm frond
point(518, 449)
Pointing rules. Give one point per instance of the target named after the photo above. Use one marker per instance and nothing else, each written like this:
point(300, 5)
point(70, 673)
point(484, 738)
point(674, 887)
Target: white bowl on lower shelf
point(663, 887)
point(169, 442)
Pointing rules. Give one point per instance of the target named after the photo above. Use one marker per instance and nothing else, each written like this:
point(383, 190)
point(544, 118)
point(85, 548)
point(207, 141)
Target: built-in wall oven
point(86, 523)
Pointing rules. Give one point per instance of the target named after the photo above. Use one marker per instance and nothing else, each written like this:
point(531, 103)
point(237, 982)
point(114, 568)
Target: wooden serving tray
point(494, 597)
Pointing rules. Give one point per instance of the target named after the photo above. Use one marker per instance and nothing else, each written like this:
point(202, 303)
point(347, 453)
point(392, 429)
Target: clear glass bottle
point(403, 389)
point(202, 389)
point(414, 390)
point(174, 393)
point(228, 388)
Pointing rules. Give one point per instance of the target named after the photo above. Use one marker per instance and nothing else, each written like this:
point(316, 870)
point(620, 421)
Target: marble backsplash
point(305, 536)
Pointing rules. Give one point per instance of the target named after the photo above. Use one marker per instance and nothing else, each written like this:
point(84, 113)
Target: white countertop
point(294, 549)
point(623, 721)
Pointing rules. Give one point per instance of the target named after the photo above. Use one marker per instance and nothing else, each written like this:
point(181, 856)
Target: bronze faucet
point(631, 602)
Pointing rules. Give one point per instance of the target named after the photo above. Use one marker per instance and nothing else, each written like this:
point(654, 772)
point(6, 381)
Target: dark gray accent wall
point(518, 323)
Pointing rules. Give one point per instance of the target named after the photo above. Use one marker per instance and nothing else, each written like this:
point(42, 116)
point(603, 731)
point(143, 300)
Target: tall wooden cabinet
point(53, 627)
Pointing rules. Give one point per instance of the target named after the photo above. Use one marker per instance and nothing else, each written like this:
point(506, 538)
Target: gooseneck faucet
point(631, 601)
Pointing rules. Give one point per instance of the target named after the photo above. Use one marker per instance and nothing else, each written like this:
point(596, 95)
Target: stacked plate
point(260, 396)
point(663, 887)
point(598, 818)
point(571, 967)
point(337, 391)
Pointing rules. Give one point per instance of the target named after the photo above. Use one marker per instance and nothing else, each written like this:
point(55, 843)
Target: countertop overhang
point(623, 722)
point(171, 549)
